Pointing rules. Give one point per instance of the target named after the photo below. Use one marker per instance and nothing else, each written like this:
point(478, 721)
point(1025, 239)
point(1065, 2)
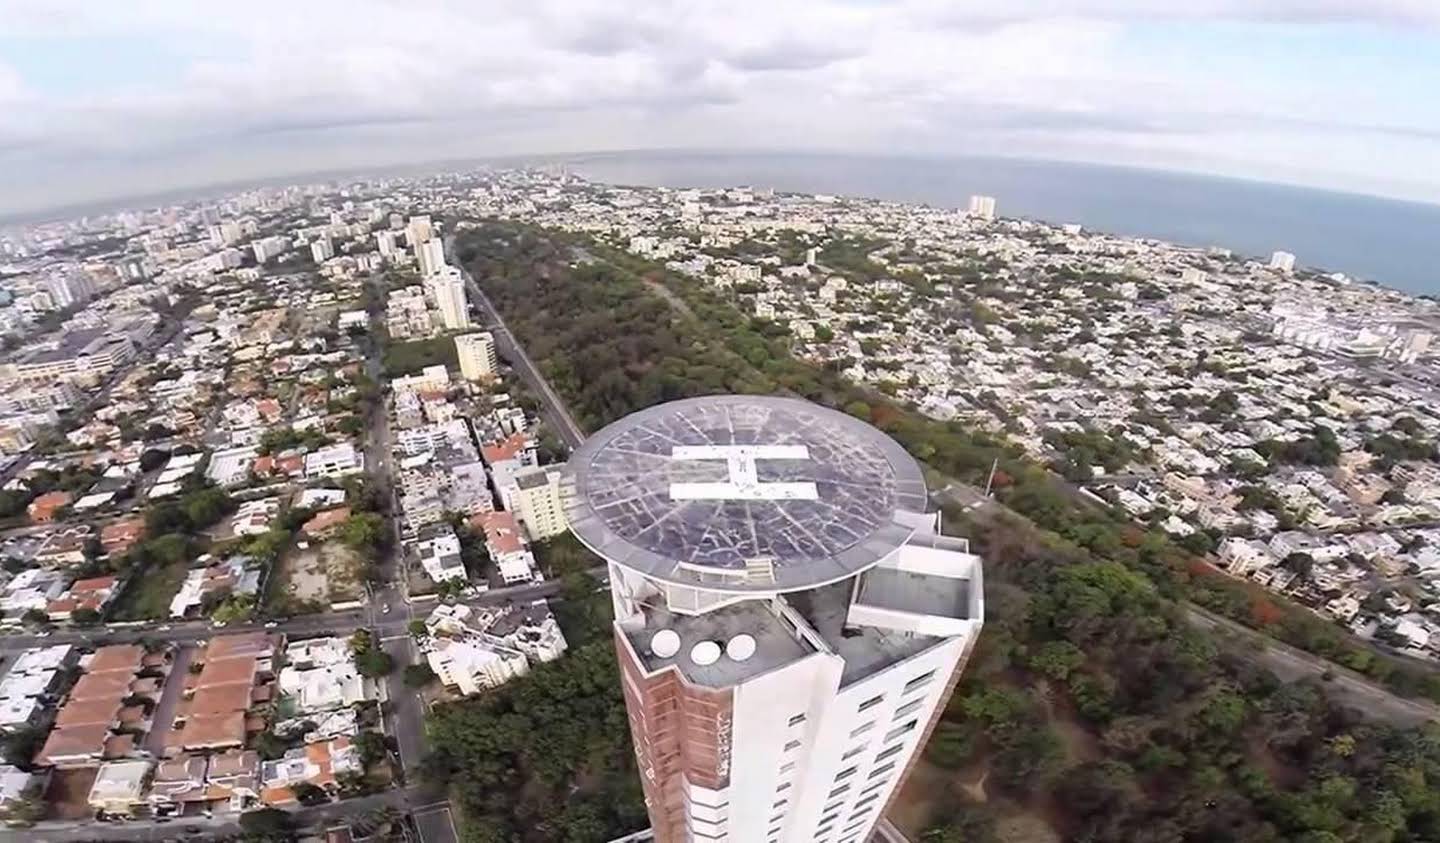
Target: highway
point(553, 409)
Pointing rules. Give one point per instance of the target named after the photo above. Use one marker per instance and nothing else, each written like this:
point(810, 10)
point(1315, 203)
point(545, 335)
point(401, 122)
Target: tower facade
point(789, 621)
point(448, 290)
point(476, 353)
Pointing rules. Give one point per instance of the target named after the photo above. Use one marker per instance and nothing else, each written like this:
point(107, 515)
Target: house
point(236, 677)
point(438, 549)
point(227, 781)
point(42, 510)
point(117, 537)
point(16, 786)
point(234, 575)
point(319, 764)
point(95, 724)
point(507, 546)
point(326, 523)
point(231, 467)
point(92, 594)
point(32, 588)
point(255, 517)
point(334, 461)
point(470, 663)
point(320, 675)
point(64, 547)
point(119, 788)
point(26, 689)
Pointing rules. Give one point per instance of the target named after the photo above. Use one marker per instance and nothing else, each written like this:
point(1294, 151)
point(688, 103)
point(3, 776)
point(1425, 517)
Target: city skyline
point(103, 103)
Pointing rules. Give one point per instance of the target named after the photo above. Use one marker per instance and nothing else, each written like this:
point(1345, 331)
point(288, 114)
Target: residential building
point(438, 549)
point(788, 655)
point(334, 461)
point(538, 502)
point(119, 787)
point(235, 575)
point(319, 675)
point(95, 724)
point(507, 546)
point(1283, 261)
point(318, 764)
point(430, 255)
point(322, 250)
point(236, 677)
point(448, 289)
point(418, 230)
point(478, 361)
point(982, 207)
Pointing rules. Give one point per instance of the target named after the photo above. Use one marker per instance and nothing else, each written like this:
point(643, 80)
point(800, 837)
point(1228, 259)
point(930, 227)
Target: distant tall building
point(789, 620)
point(417, 231)
point(269, 247)
point(321, 250)
point(430, 254)
point(538, 502)
point(448, 289)
point(811, 255)
point(1283, 261)
point(385, 242)
point(982, 207)
point(478, 360)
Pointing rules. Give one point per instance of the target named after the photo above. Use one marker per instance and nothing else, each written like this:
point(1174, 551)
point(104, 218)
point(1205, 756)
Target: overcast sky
point(120, 97)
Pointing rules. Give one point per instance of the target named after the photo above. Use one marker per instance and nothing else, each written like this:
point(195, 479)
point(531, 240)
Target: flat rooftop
point(775, 644)
point(866, 650)
point(743, 492)
point(923, 594)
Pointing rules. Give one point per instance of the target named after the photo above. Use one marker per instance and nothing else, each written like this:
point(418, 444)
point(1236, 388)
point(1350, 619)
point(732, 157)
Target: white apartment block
point(334, 461)
point(478, 360)
point(538, 501)
point(982, 207)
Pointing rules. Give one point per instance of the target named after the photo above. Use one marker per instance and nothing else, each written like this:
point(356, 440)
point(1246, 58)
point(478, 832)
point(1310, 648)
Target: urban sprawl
point(273, 484)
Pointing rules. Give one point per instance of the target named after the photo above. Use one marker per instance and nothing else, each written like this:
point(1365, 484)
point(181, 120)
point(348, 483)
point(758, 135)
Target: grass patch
point(405, 358)
point(147, 597)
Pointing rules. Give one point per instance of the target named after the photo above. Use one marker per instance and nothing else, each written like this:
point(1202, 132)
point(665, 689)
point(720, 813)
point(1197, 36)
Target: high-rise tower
point(789, 621)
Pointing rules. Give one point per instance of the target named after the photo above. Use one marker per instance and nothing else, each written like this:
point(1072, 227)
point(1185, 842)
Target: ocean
point(1390, 242)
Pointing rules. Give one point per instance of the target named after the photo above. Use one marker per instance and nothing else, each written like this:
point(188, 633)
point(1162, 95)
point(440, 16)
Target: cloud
point(383, 80)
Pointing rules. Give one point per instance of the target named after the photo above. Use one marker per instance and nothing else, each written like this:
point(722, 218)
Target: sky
point(101, 100)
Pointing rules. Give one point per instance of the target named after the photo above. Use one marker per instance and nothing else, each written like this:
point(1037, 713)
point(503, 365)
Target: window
point(907, 708)
point(890, 752)
point(851, 753)
point(860, 730)
point(837, 791)
point(780, 804)
point(880, 771)
point(919, 682)
point(866, 801)
point(871, 703)
point(783, 786)
point(787, 766)
point(900, 730)
point(871, 788)
point(793, 745)
point(797, 720)
point(845, 773)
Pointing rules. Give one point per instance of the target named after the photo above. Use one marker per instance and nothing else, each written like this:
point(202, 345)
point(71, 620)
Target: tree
point(85, 616)
point(152, 458)
point(268, 824)
point(419, 675)
point(371, 747)
point(308, 794)
point(370, 659)
point(362, 531)
point(418, 628)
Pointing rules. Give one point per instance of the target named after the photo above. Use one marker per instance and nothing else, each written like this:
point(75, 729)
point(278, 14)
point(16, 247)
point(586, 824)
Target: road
point(553, 409)
point(1287, 663)
point(418, 801)
point(1346, 686)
